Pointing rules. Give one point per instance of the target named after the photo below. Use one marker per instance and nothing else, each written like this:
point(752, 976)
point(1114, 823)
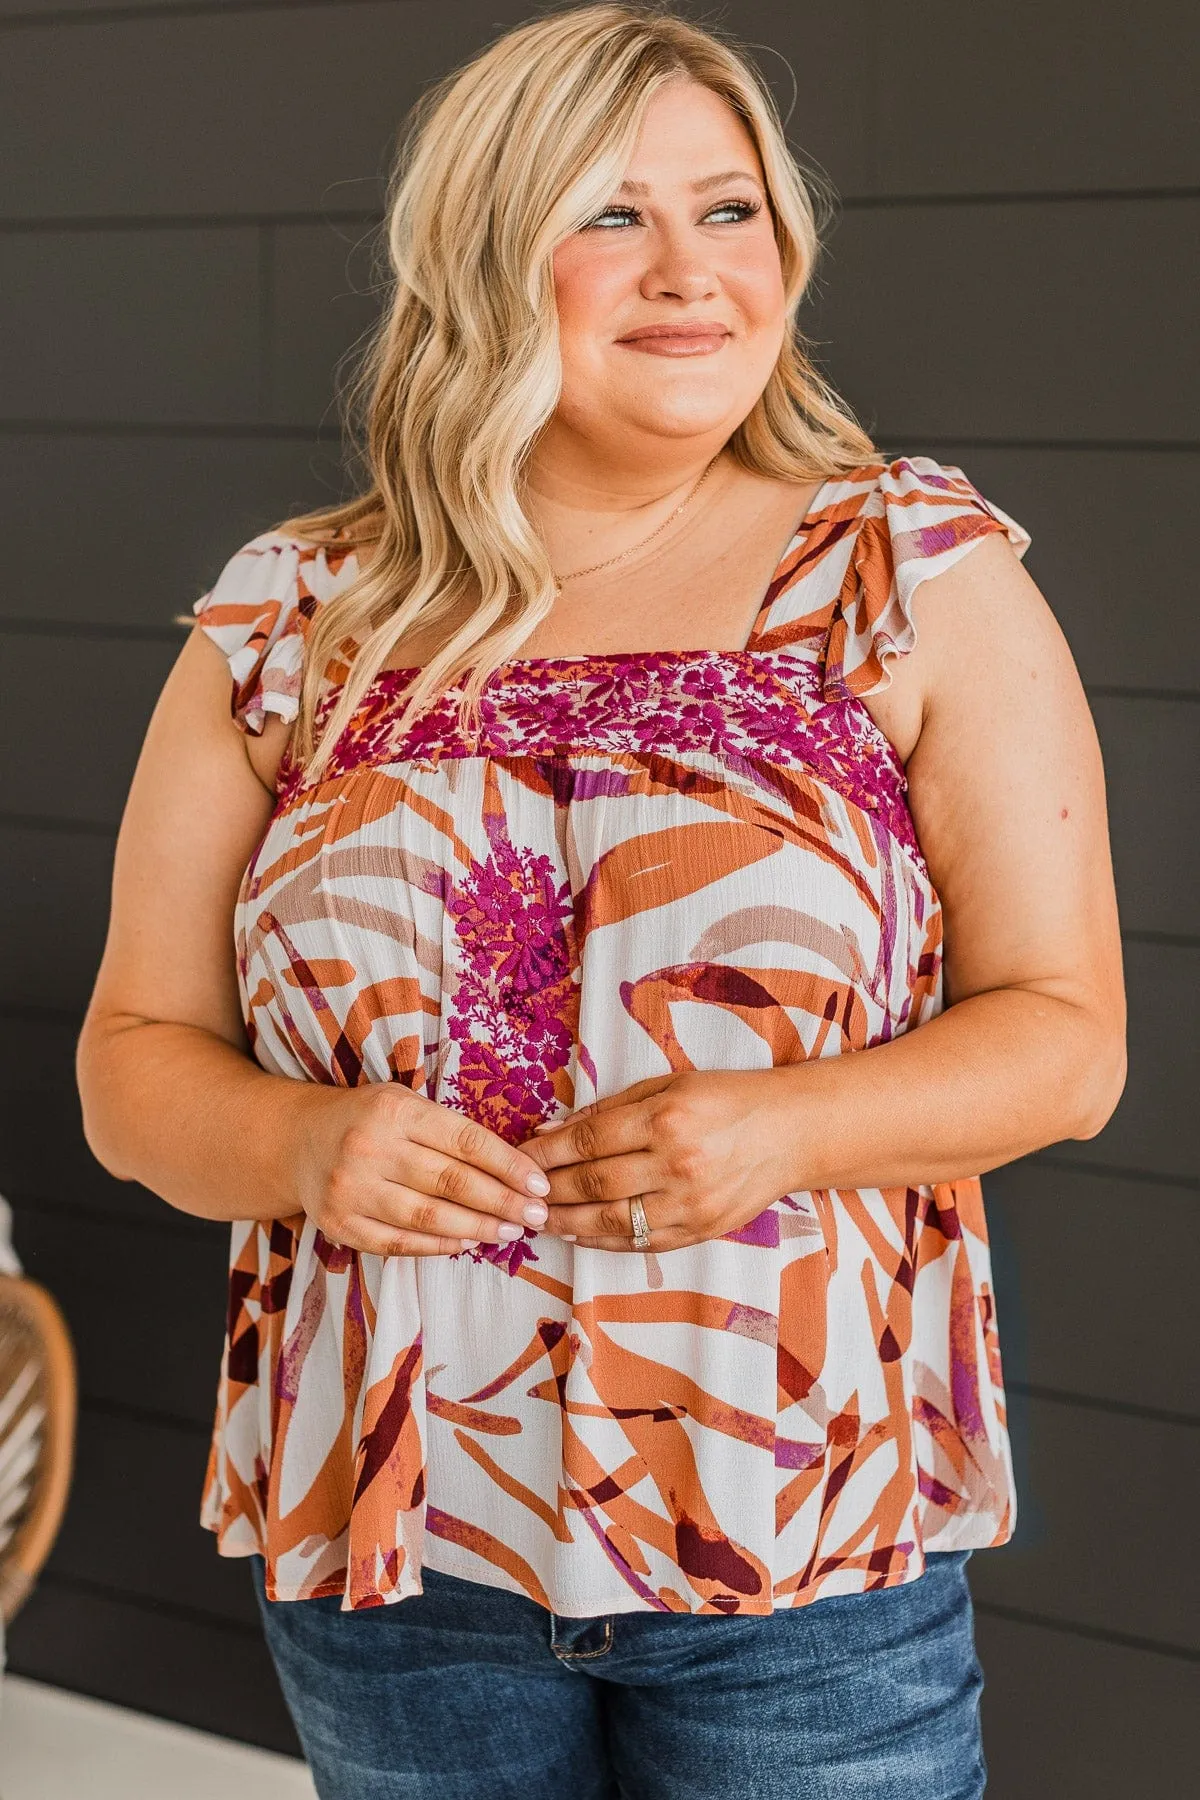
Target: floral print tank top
point(642, 863)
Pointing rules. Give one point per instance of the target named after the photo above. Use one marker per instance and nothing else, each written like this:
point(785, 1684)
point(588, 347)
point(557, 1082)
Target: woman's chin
point(675, 415)
point(669, 410)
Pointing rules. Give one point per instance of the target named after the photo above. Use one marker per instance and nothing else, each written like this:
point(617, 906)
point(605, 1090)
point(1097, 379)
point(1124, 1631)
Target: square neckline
point(607, 658)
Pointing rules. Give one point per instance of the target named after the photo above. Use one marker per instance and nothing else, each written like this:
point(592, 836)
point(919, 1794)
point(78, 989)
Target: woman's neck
point(584, 512)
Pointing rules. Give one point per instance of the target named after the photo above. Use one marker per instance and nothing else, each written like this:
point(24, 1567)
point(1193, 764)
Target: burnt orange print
point(635, 865)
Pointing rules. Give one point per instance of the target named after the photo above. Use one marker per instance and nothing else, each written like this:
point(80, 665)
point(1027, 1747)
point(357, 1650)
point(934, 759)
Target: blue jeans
point(471, 1692)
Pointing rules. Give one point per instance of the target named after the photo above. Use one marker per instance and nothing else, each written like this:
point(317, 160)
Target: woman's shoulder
point(918, 517)
point(914, 491)
point(874, 534)
point(258, 612)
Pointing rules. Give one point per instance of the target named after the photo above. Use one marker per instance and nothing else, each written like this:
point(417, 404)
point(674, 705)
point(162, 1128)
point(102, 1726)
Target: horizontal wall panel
point(1151, 751)
point(326, 293)
point(1066, 1214)
point(146, 1308)
point(1023, 320)
point(54, 910)
point(176, 1666)
point(108, 688)
point(1027, 96)
point(44, 1156)
point(1106, 1499)
point(130, 325)
point(983, 298)
point(289, 116)
point(103, 691)
point(132, 1520)
point(1083, 1553)
point(1156, 1126)
point(1063, 107)
point(324, 296)
point(127, 531)
point(54, 903)
point(23, 10)
point(1112, 551)
point(305, 116)
point(1067, 1717)
point(1095, 1276)
point(150, 521)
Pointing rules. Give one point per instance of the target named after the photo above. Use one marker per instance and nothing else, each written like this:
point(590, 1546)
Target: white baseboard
point(60, 1746)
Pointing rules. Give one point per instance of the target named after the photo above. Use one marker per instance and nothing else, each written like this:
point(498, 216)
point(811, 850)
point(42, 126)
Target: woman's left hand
point(705, 1151)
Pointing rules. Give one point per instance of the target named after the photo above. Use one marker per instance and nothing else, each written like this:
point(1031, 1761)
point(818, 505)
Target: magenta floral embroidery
point(763, 707)
point(516, 1001)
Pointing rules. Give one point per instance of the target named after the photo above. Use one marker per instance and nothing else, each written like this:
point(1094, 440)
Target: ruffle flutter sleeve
point(918, 520)
point(256, 616)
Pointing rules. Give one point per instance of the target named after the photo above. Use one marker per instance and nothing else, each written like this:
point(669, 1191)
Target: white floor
point(59, 1746)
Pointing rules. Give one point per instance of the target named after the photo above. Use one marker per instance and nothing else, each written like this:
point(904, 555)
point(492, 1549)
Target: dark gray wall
point(1010, 285)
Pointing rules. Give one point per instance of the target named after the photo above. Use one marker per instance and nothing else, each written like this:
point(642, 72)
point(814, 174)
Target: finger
point(611, 1181)
point(585, 1137)
point(660, 1243)
point(440, 1128)
point(374, 1237)
point(411, 1210)
point(479, 1201)
point(613, 1220)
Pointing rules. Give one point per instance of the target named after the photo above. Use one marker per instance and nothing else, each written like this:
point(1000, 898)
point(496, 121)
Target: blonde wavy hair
point(498, 163)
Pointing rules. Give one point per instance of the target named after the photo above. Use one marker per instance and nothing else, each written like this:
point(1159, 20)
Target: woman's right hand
point(172, 1095)
point(383, 1170)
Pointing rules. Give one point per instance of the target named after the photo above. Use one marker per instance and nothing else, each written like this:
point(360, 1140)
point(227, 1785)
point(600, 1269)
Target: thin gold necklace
point(593, 568)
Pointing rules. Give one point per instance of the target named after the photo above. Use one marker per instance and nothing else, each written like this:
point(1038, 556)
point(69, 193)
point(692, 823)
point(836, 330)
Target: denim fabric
point(471, 1692)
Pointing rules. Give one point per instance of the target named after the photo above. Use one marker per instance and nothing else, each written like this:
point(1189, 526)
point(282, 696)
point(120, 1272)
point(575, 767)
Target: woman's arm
point(172, 1097)
point(1006, 786)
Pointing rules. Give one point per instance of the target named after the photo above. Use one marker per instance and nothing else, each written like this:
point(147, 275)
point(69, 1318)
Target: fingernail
point(470, 1243)
point(546, 1125)
point(537, 1183)
point(507, 1233)
point(568, 1237)
point(535, 1213)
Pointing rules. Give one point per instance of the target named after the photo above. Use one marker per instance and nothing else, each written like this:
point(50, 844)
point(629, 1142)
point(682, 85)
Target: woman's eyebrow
point(698, 187)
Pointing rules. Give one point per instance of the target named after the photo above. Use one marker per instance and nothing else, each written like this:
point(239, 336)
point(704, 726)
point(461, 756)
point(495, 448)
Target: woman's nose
point(676, 269)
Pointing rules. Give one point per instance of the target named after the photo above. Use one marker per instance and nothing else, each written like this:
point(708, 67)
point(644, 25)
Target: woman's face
point(671, 300)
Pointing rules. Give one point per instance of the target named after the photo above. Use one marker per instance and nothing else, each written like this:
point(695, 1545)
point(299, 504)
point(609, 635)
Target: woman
point(586, 771)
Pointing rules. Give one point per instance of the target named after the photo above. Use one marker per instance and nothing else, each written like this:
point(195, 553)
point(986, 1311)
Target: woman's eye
point(613, 212)
point(740, 209)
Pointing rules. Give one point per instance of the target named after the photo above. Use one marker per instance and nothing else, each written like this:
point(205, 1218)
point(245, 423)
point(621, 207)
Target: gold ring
point(641, 1227)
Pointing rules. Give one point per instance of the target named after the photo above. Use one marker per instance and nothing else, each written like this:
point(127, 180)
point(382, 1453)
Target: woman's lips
point(677, 343)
